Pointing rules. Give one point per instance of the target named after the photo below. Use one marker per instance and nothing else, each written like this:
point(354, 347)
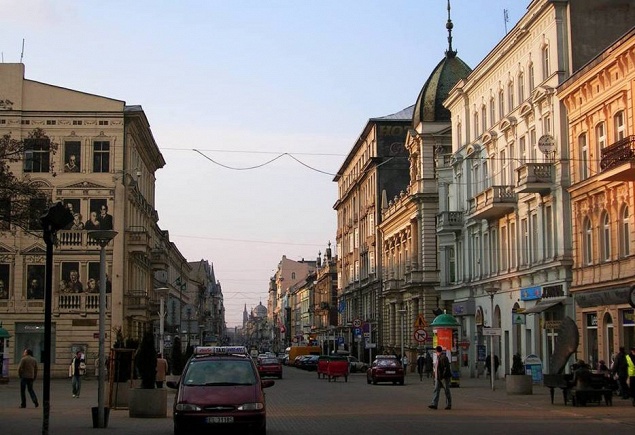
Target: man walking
point(442, 376)
point(620, 368)
point(27, 370)
point(76, 370)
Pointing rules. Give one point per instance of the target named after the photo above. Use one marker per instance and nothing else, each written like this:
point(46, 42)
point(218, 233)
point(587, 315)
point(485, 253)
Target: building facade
point(599, 103)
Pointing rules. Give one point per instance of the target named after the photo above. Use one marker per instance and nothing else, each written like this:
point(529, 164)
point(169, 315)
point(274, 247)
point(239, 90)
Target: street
point(300, 403)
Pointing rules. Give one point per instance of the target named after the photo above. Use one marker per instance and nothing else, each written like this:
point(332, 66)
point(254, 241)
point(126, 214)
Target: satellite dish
point(546, 144)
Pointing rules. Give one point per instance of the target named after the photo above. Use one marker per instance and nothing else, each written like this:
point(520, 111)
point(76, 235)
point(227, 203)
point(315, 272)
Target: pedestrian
point(162, 370)
point(630, 360)
point(429, 367)
point(27, 371)
point(76, 370)
point(421, 366)
point(620, 370)
point(442, 377)
point(404, 362)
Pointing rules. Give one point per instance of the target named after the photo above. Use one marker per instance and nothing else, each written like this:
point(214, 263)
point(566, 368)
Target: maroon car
point(385, 368)
point(269, 367)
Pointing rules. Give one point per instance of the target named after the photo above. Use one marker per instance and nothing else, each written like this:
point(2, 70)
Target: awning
point(544, 304)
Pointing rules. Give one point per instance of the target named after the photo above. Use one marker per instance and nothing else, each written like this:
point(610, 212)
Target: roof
point(429, 106)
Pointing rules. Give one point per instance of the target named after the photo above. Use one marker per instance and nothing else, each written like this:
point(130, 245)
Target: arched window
point(501, 104)
point(521, 88)
point(545, 63)
point(625, 241)
point(476, 126)
point(587, 241)
point(605, 237)
point(483, 119)
point(492, 112)
point(531, 77)
point(600, 141)
point(510, 96)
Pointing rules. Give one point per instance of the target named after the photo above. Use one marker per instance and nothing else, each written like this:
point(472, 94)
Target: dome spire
point(449, 26)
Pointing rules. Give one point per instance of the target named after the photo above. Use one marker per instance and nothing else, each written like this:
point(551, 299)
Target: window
point(620, 132)
point(501, 104)
point(587, 242)
point(522, 145)
point(513, 258)
point(483, 118)
point(531, 77)
point(521, 88)
point(356, 242)
point(356, 270)
point(504, 248)
point(548, 232)
point(625, 244)
point(371, 223)
point(37, 154)
point(451, 265)
point(77, 122)
point(524, 242)
point(545, 62)
point(605, 237)
point(584, 157)
point(492, 112)
point(535, 235)
point(476, 126)
point(533, 146)
point(371, 261)
point(459, 134)
point(510, 96)
point(101, 156)
point(546, 124)
point(37, 207)
point(600, 140)
point(5, 214)
point(503, 166)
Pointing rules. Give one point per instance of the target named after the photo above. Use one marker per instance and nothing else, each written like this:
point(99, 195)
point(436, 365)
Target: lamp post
point(403, 316)
point(491, 291)
point(102, 237)
point(162, 292)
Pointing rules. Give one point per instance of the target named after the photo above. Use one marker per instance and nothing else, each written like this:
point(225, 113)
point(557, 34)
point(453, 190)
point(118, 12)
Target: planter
point(119, 395)
point(519, 384)
point(148, 403)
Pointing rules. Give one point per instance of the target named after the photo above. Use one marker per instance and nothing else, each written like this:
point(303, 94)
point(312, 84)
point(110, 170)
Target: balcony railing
point(75, 239)
point(137, 240)
point(534, 178)
point(492, 203)
point(617, 161)
point(449, 221)
point(80, 303)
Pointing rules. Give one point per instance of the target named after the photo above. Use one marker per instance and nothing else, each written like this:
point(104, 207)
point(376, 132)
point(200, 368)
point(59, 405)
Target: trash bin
point(95, 410)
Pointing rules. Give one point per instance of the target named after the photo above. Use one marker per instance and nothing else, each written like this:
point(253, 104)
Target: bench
point(600, 388)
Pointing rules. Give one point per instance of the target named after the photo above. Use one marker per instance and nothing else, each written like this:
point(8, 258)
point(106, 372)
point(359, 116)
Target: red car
point(270, 367)
point(385, 368)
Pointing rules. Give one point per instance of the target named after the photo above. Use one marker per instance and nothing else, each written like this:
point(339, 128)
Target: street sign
point(518, 319)
point(420, 335)
point(492, 331)
point(420, 322)
point(357, 323)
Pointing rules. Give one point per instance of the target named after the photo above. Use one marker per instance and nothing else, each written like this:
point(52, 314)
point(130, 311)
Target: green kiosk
point(445, 333)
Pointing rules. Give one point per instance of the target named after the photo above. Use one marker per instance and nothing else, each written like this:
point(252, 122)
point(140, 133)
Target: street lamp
point(163, 293)
point(102, 237)
point(403, 316)
point(491, 291)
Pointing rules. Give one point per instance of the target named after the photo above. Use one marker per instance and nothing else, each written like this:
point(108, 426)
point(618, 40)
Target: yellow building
point(104, 172)
point(600, 108)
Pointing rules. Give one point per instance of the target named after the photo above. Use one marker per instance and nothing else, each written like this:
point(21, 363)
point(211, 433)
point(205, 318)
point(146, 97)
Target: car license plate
point(390, 372)
point(220, 419)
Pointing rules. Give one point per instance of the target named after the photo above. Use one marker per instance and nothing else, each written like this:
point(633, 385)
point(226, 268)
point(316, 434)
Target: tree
point(22, 202)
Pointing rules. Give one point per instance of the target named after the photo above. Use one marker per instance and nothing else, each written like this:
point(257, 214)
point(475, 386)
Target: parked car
point(385, 368)
point(309, 362)
point(355, 365)
point(220, 388)
point(269, 367)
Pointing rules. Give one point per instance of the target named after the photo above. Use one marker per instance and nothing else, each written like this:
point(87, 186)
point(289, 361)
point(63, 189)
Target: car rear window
point(387, 363)
point(220, 372)
point(269, 361)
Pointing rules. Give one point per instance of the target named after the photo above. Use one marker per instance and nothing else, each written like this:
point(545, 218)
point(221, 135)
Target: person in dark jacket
point(442, 377)
point(620, 369)
point(27, 370)
point(76, 370)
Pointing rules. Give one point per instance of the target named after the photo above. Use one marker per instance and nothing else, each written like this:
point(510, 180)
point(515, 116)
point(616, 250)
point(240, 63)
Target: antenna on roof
point(505, 18)
point(22, 53)
point(449, 26)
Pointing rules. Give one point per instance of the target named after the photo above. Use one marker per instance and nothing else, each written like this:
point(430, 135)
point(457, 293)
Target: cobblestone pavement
point(300, 403)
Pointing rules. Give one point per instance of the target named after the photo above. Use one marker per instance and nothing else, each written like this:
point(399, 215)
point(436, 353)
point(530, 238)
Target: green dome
point(445, 320)
point(429, 106)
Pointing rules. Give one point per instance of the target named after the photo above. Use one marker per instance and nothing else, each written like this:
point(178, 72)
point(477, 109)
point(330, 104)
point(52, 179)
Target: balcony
point(80, 303)
point(534, 178)
point(449, 222)
point(493, 203)
point(75, 239)
point(617, 161)
point(137, 303)
point(159, 259)
point(137, 240)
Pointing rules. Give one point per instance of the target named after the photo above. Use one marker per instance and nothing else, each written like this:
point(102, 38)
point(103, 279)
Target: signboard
point(533, 367)
point(371, 345)
point(420, 322)
point(420, 335)
point(357, 323)
point(518, 319)
point(492, 331)
point(553, 324)
point(481, 352)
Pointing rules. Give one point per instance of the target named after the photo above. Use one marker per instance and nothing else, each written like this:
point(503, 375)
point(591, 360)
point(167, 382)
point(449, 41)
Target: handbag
point(82, 368)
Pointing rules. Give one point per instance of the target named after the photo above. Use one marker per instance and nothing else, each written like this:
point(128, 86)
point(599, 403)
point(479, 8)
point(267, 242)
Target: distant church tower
point(245, 316)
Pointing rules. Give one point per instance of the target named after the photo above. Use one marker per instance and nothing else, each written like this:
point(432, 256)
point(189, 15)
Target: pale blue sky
point(242, 82)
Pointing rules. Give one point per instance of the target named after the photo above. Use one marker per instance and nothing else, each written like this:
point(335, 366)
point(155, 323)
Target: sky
point(253, 104)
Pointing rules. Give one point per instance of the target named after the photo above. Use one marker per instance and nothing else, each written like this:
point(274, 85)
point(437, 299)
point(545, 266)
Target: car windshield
point(220, 372)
